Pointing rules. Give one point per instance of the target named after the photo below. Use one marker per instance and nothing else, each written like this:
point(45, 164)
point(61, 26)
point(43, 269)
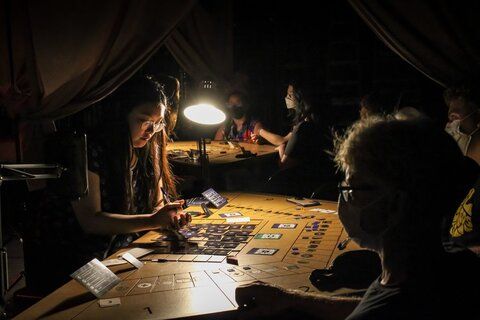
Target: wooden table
point(224, 162)
point(198, 280)
point(219, 152)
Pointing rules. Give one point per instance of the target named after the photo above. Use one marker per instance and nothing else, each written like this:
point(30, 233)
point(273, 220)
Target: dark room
point(239, 159)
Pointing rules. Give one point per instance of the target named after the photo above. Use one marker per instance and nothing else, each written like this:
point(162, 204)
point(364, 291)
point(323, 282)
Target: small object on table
point(232, 260)
point(245, 153)
point(207, 211)
point(215, 198)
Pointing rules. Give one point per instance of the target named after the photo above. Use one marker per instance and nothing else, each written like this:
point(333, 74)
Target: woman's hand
point(256, 136)
point(171, 216)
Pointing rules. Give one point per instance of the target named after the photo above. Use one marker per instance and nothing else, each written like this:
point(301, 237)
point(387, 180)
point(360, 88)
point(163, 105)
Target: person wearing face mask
point(240, 126)
point(304, 163)
point(463, 126)
point(397, 192)
point(464, 119)
point(292, 103)
point(306, 135)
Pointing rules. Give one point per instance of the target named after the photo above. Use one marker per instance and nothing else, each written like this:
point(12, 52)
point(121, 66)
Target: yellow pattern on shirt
point(462, 221)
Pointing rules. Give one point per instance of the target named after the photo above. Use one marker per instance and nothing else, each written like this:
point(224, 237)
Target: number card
point(215, 198)
point(284, 226)
point(97, 278)
point(263, 251)
point(230, 214)
point(268, 236)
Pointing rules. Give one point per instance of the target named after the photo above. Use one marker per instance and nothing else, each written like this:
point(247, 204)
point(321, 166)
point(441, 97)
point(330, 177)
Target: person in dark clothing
point(307, 139)
point(305, 164)
point(463, 124)
point(399, 187)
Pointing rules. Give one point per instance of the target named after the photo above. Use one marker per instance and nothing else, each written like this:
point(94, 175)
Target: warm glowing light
point(204, 114)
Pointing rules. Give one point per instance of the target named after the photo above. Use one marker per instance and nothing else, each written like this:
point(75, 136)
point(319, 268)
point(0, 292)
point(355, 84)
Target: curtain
point(438, 37)
point(203, 43)
point(57, 57)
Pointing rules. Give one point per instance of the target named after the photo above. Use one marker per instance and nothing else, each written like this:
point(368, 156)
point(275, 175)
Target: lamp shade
point(204, 114)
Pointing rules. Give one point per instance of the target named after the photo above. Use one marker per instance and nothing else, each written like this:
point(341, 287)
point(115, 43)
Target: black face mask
point(237, 112)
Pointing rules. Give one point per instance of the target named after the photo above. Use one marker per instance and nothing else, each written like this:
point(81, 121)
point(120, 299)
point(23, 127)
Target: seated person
point(390, 203)
point(307, 140)
point(464, 118)
point(240, 126)
point(127, 170)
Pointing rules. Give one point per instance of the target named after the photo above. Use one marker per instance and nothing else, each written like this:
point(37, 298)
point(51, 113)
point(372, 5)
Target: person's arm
point(258, 127)
point(283, 157)
point(220, 135)
point(281, 151)
point(273, 138)
point(262, 300)
point(254, 137)
point(93, 220)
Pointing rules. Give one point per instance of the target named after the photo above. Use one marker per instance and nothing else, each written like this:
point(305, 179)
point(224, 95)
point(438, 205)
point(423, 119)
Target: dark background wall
point(331, 49)
point(325, 45)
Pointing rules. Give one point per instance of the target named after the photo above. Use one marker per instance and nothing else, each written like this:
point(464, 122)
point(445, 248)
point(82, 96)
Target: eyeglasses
point(155, 126)
point(347, 191)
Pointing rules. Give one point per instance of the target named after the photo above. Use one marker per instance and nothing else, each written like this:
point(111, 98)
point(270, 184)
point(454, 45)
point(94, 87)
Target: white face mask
point(291, 103)
point(462, 139)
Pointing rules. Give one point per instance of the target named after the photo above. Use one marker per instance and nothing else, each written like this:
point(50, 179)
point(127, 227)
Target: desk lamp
point(206, 113)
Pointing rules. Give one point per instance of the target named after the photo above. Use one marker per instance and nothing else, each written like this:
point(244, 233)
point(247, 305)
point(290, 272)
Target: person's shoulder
point(308, 126)
point(311, 129)
point(379, 302)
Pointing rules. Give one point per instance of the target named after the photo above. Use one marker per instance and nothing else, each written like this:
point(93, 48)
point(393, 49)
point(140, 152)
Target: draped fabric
point(58, 57)
point(438, 37)
point(203, 43)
